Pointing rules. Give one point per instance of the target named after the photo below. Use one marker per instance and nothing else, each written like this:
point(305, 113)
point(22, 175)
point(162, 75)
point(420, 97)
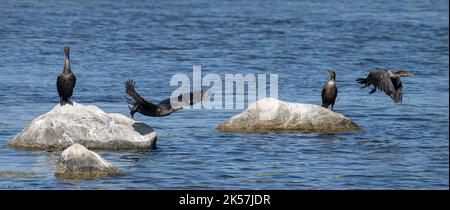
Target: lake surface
point(402, 146)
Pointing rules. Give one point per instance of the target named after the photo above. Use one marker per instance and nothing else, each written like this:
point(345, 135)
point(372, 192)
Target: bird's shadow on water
point(142, 128)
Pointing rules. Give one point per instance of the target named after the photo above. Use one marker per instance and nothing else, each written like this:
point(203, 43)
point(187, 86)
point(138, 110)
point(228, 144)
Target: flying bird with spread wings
point(163, 108)
point(387, 81)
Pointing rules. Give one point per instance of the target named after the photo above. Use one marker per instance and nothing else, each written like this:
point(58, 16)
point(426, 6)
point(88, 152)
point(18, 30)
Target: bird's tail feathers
point(362, 80)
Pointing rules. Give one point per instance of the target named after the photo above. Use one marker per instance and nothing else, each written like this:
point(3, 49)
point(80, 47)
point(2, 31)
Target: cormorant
point(66, 80)
point(387, 81)
point(330, 91)
point(163, 108)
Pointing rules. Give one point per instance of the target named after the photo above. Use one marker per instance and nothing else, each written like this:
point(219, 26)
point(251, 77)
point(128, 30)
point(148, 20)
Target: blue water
point(402, 146)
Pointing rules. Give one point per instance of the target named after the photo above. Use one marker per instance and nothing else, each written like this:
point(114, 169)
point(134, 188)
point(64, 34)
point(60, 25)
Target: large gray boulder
point(86, 125)
point(271, 114)
point(78, 162)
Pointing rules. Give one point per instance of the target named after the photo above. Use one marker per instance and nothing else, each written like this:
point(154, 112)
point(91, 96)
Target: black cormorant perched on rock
point(387, 81)
point(330, 91)
point(66, 80)
point(163, 108)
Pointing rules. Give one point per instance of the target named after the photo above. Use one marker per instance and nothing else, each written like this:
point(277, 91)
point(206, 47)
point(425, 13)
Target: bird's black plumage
point(330, 91)
point(387, 81)
point(163, 108)
point(65, 82)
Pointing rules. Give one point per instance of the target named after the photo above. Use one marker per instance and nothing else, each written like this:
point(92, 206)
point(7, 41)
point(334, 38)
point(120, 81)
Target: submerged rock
point(270, 114)
point(78, 162)
point(87, 125)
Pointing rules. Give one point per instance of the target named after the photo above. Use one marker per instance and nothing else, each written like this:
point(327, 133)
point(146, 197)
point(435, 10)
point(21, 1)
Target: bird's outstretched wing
point(136, 100)
point(398, 94)
point(129, 89)
point(185, 99)
point(384, 82)
point(165, 107)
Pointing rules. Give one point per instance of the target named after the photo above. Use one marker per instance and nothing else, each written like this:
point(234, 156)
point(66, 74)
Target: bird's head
point(332, 74)
point(67, 50)
point(403, 73)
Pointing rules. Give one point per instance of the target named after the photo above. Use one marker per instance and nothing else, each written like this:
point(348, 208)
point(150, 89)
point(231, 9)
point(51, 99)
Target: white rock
point(87, 125)
point(78, 162)
point(271, 114)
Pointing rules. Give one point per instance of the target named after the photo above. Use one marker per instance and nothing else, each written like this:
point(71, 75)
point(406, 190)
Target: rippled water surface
point(402, 146)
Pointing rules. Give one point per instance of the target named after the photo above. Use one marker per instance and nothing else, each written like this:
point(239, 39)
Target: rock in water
point(270, 114)
point(86, 125)
point(78, 162)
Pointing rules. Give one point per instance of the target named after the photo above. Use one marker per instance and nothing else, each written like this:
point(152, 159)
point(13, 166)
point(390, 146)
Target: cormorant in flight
point(387, 81)
point(163, 108)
